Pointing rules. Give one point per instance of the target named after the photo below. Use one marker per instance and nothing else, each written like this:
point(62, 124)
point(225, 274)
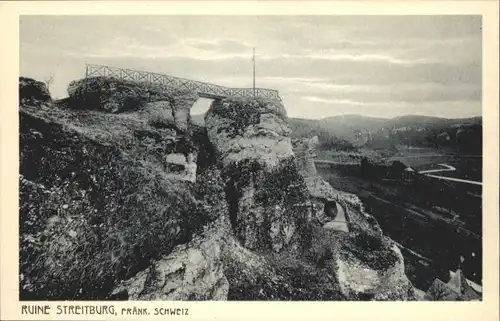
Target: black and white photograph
point(250, 158)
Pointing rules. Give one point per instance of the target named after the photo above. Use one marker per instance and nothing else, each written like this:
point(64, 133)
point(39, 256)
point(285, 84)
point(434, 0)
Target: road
point(436, 155)
point(447, 168)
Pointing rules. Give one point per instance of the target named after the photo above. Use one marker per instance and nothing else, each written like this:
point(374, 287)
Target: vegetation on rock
point(33, 92)
point(244, 112)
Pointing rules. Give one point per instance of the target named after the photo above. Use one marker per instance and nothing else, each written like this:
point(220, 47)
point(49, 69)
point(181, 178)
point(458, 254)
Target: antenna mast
point(253, 59)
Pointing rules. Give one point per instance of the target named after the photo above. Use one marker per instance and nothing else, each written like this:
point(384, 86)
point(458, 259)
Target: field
point(467, 167)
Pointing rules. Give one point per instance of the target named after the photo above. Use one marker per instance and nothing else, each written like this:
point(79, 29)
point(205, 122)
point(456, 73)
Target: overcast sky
point(381, 66)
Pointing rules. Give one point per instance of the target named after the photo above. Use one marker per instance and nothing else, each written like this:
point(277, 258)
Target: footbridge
point(205, 90)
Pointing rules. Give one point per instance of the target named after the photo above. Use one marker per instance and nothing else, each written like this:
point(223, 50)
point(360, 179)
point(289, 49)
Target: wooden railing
point(204, 89)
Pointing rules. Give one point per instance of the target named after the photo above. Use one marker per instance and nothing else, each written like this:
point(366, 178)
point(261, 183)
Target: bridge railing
point(201, 87)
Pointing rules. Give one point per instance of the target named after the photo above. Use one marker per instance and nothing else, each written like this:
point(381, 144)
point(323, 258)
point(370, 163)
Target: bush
point(372, 249)
point(243, 112)
point(283, 185)
point(209, 187)
point(33, 92)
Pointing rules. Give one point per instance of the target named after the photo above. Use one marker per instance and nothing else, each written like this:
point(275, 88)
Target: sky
point(380, 66)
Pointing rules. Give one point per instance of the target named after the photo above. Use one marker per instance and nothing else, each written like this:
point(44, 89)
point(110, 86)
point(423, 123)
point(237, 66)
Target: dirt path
point(339, 223)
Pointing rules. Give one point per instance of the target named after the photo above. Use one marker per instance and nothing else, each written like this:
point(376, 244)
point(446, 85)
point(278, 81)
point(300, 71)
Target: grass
point(95, 209)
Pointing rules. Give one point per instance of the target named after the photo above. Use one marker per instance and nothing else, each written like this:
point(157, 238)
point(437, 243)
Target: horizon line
point(376, 117)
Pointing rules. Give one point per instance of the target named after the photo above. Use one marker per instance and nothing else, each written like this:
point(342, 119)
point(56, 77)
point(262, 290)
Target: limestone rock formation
point(161, 108)
point(172, 122)
point(192, 271)
point(378, 275)
point(246, 129)
point(265, 192)
point(364, 264)
point(113, 95)
point(305, 152)
point(322, 194)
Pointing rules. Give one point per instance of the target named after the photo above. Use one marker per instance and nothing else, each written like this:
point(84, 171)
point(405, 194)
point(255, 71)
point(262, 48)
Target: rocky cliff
point(265, 192)
point(123, 197)
point(305, 153)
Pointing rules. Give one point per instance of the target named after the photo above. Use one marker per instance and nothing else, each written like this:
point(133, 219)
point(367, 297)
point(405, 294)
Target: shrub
point(372, 249)
point(243, 112)
point(209, 187)
point(33, 92)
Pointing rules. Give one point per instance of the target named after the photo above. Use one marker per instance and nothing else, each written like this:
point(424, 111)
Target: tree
point(397, 169)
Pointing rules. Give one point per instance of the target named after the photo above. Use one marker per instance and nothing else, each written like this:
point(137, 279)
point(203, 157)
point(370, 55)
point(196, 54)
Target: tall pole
point(253, 59)
point(85, 84)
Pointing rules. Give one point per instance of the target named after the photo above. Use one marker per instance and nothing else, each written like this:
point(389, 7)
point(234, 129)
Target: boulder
point(243, 129)
point(371, 267)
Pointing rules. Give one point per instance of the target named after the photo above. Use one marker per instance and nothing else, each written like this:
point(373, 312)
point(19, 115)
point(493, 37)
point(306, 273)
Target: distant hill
point(349, 132)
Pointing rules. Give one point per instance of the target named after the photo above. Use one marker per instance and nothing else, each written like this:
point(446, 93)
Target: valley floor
point(436, 233)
